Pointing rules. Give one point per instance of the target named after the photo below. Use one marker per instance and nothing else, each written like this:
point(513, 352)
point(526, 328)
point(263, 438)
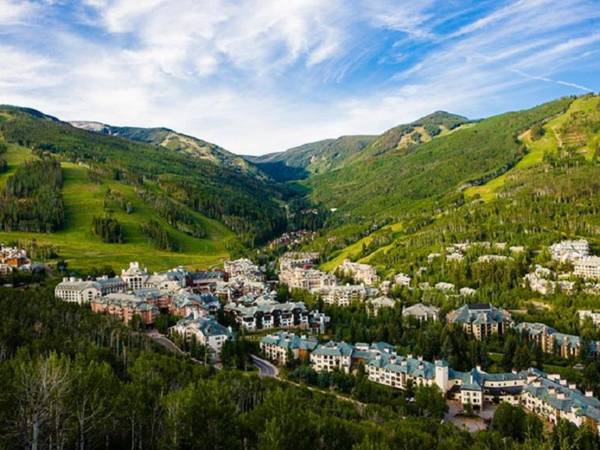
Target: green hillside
point(84, 199)
point(550, 193)
point(197, 207)
point(560, 131)
point(315, 157)
point(405, 137)
point(330, 154)
point(427, 176)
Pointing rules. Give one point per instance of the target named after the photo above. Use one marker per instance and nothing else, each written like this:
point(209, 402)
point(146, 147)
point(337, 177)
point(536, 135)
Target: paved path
point(164, 341)
point(265, 368)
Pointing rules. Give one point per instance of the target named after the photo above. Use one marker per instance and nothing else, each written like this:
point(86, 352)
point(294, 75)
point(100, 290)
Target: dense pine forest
point(31, 199)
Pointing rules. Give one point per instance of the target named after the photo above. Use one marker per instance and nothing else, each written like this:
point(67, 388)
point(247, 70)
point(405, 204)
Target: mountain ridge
point(322, 156)
point(170, 139)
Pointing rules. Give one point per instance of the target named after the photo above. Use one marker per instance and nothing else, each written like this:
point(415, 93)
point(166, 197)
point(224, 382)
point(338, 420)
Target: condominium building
point(83, 291)
point(279, 347)
point(332, 356)
point(553, 399)
point(312, 280)
point(125, 307)
point(135, 276)
point(206, 330)
point(480, 319)
point(345, 295)
point(570, 251)
point(587, 267)
point(77, 290)
point(265, 316)
point(421, 312)
point(244, 268)
point(361, 273)
point(551, 341)
point(292, 260)
point(205, 281)
point(547, 396)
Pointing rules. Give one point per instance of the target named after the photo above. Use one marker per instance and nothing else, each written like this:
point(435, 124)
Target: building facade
point(481, 319)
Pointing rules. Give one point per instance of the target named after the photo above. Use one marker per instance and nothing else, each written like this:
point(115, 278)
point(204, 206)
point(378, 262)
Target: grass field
point(536, 149)
point(15, 156)
point(354, 249)
point(76, 243)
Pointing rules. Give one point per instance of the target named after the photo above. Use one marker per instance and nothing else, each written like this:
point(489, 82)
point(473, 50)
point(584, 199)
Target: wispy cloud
point(263, 75)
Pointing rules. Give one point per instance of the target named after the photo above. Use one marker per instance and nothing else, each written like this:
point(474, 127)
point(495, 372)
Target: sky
point(258, 76)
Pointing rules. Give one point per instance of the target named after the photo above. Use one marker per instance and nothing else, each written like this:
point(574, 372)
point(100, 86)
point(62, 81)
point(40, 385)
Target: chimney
point(589, 394)
point(478, 367)
point(563, 382)
point(560, 396)
point(572, 386)
point(409, 356)
point(420, 358)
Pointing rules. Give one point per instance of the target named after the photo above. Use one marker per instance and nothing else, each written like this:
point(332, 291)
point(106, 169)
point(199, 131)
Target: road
point(265, 368)
point(165, 342)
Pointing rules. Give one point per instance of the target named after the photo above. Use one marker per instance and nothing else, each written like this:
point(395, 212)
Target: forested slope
point(194, 205)
point(551, 193)
point(431, 174)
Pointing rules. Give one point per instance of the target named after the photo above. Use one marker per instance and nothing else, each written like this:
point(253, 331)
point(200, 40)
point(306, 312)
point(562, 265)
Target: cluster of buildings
point(297, 270)
point(457, 251)
point(360, 273)
point(195, 297)
point(577, 252)
point(569, 250)
point(585, 266)
point(13, 258)
point(292, 238)
point(547, 396)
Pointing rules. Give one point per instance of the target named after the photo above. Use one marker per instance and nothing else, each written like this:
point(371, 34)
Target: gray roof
point(334, 349)
point(573, 398)
point(290, 341)
point(480, 313)
point(207, 325)
point(400, 364)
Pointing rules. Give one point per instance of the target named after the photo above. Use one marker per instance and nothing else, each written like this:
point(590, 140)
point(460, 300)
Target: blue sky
point(257, 76)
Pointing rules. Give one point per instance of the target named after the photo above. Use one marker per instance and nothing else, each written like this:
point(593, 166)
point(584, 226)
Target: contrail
point(550, 80)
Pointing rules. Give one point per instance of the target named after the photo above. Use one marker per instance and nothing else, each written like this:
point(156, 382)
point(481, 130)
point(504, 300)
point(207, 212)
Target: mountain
point(330, 154)
point(418, 132)
point(192, 204)
point(392, 176)
point(526, 178)
point(172, 140)
point(315, 157)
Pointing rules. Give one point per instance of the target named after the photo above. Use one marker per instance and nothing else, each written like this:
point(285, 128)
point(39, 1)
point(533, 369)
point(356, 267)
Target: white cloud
point(14, 12)
point(261, 75)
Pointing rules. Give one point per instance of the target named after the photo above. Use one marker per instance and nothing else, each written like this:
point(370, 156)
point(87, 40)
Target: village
point(243, 294)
